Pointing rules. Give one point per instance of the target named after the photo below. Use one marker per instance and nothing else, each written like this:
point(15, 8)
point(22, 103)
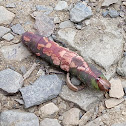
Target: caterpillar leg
point(71, 86)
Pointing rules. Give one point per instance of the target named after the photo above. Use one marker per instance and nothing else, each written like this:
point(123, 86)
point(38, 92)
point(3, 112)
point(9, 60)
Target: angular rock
point(8, 37)
point(109, 2)
point(15, 52)
point(66, 24)
point(121, 69)
point(116, 90)
point(18, 118)
point(43, 89)
point(44, 25)
point(10, 81)
point(6, 16)
point(3, 30)
point(71, 117)
point(18, 29)
point(113, 13)
point(80, 12)
point(85, 118)
point(103, 46)
point(46, 9)
point(86, 99)
point(48, 110)
point(112, 102)
point(67, 35)
point(62, 5)
point(49, 122)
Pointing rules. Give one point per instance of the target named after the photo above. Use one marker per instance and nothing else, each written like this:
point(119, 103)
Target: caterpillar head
point(103, 84)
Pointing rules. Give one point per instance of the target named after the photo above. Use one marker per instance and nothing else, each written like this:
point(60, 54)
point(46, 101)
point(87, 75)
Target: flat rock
point(18, 29)
point(116, 90)
point(113, 13)
point(112, 102)
point(44, 24)
point(3, 30)
point(18, 118)
point(86, 99)
point(47, 122)
point(61, 5)
point(6, 16)
point(80, 12)
point(15, 52)
point(8, 37)
point(109, 2)
point(48, 110)
point(104, 46)
point(66, 24)
point(45, 9)
point(43, 89)
point(10, 81)
point(71, 117)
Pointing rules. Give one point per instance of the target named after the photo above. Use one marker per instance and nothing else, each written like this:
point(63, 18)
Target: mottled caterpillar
point(67, 60)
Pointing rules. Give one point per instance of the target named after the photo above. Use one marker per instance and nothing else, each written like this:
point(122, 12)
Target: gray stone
point(11, 5)
point(66, 24)
point(6, 16)
point(75, 81)
point(109, 2)
point(49, 122)
point(8, 37)
point(61, 5)
point(105, 13)
point(56, 20)
point(112, 102)
point(3, 30)
point(121, 69)
point(43, 89)
point(80, 12)
point(48, 110)
point(44, 25)
point(71, 117)
point(86, 98)
point(19, 101)
point(15, 52)
point(45, 9)
point(23, 69)
point(18, 118)
point(113, 13)
point(79, 26)
point(116, 90)
point(18, 29)
point(10, 81)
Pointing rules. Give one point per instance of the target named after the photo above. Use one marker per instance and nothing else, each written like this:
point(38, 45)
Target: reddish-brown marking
point(46, 39)
point(38, 54)
point(40, 46)
point(48, 45)
point(27, 39)
point(81, 68)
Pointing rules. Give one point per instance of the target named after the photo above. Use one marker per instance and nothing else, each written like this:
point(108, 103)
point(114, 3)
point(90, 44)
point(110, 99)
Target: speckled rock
point(61, 5)
point(48, 110)
point(80, 12)
point(43, 89)
point(18, 118)
point(10, 81)
point(71, 117)
point(15, 52)
point(49, 122)
point(3, 30)
point(6, 16)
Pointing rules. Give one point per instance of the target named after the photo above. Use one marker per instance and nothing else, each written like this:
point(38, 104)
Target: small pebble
point(23, 69)
point(11, 5)
point(113, 13)
point(75, 81)
point(8, 37)
point(56, 20)
point(62, 5)
point(105, 13)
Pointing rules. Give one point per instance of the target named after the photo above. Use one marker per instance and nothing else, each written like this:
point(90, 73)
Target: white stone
point(49, 122)
point(56, 20)
point(62, 5)
point(8, 37)
point(112, 102)
point(66, 24)
point(109, 2)
point(48, 110)
point(71, 117)
point(3, 30)
point(15, 52)
point(116, 90)
point(6, 16)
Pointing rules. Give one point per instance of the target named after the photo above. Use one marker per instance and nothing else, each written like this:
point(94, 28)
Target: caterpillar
point(67, 60)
